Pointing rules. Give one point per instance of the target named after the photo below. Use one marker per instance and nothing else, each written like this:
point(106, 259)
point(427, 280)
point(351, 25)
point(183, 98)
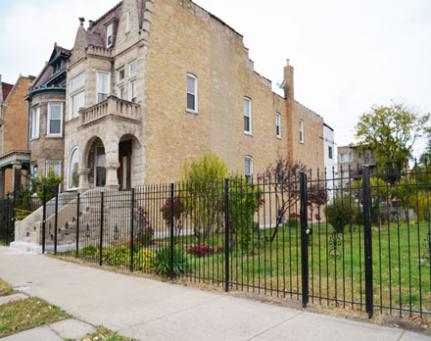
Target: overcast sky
point(348, 54)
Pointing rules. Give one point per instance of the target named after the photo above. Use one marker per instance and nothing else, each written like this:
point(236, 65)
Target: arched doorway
point(127, 148)
point(96, 163)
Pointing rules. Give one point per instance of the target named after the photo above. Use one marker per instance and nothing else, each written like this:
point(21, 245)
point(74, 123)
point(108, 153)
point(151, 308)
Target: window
point(77, 82)
point(248, 167)
point(73, 175)
point(55, 119)
point(120, 92)
point(35, 120)
point(301, 132)
point(128, 22)
point(330, 152)
point(132, 90)
point(120, 75)
point(99, 169)
point(54, 166)
point(109, 35)
point(103, 86)
point(77, 95)
point(192, 93)
point(278, 125)
point(34, 170)
point(247, 116)
point(76, 103)
point(132, 69)
point(346, 157)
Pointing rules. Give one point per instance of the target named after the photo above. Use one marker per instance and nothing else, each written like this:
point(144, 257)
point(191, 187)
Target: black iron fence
point(359, 241)
point(7, 219)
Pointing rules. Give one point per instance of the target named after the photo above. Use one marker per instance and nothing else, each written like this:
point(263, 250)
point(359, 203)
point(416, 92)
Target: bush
point(48, 184)
point(116, 256)
point(145, 231)
point(162, 262)
point(89, 251)
point(339, 213)
point(204, 250)
point(203, 180)
point(144, 260)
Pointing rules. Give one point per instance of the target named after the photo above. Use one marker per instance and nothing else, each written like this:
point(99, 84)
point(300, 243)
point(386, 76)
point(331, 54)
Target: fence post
point(226, 235)
point(304, 236)
point(132, 222)
point(7, 220)
point(44, 220)
point(12, 220)
point(368, 242)
point(56, 223)
point(171, 233)
point(78, 213)
point(102, 197)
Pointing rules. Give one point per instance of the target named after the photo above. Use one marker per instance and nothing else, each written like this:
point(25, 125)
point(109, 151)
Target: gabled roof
point(6, 89)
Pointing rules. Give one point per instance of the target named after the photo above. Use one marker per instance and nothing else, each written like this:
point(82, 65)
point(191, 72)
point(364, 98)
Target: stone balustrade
point(112, 106)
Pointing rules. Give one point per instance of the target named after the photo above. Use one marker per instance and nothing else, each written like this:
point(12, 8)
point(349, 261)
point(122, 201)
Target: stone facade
point(156, 44)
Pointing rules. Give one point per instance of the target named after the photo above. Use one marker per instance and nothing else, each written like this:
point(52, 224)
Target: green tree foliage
point(203, 180)
point(48, 184)
point(390, 132)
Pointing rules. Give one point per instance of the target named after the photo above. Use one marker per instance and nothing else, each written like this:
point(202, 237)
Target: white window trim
point(128, 22)
point(53, 161)
point(71, 117)
point(248, 99)
point(249, 158)
point(130, 69)
point(278, 125)
point(110, 27)
point(69, 173)
point(35, 123)
point(48, 118)
point(98, 73)
point(302, 132)
point(74, 93)
point(129, 90)
point(196, 110)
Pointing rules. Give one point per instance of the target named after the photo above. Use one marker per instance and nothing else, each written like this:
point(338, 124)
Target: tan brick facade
point(167, 41)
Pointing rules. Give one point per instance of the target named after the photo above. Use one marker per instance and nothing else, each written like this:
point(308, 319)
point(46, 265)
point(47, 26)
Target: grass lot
point(26, 314)
point(5, 288)
point(103, 334)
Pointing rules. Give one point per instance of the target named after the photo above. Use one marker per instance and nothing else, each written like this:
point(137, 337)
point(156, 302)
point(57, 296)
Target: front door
point(125, 171)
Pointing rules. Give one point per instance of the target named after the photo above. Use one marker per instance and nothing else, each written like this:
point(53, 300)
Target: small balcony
point(111, 107)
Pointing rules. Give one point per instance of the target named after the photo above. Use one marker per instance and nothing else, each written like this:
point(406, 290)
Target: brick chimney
point(289, 95)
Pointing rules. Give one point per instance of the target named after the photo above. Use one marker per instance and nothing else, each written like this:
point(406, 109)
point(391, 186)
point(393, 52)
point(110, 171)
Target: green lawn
point(401, 265)
point(26, 314)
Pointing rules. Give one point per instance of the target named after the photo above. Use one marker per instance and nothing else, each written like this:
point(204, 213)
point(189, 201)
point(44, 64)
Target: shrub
point(89, 251)
point(339, 213)
point(145, 231)
point(203, 250)
point(144, 260)
point(48, 184)
point(162, 262)
point(116, 256)
point(178, 210)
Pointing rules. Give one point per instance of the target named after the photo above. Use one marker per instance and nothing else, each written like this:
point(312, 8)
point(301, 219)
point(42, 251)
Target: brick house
point(14, 151)
point(141, 99)
point(46, 98)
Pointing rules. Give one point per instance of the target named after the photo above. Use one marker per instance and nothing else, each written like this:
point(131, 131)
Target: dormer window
point(110, 35)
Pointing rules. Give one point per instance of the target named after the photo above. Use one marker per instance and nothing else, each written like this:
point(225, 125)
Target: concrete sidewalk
point(153, 310)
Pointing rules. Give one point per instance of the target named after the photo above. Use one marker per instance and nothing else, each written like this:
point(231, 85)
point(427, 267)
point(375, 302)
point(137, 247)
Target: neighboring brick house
point(151, 84)
point(352, 159)
point(14, 152)
point(46, 98)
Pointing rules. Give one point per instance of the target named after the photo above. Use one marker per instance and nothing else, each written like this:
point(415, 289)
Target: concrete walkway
point(152, 310)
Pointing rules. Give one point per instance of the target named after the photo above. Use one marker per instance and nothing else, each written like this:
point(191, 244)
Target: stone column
point(83, 178)
point(112, 175)
point(16, 167)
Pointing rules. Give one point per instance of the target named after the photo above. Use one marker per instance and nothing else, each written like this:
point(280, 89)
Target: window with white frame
point(120, 91)
point(133, 69)
point(121, 74)
point(248, 166)
point(77, 95)
point(192, 93)
point(301, 132)
point(55, 119)
point(110, 35)
point(53, 166)
point(34, 170)
point(73, 175)
point(35, 121)
point(330, 152)
point(132, 90)
point(103, 85)
point(346, 157)
point(248, 121)
point(128, 22)
point(278, 125)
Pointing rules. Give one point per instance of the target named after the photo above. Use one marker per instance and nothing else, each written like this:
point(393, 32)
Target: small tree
point(177, 212)
point(284, 178)
point(203, 183)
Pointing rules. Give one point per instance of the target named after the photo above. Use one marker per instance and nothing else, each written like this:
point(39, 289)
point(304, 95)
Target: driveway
point(153, 310)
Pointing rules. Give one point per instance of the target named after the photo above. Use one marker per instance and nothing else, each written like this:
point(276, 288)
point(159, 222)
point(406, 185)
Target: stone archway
point(129, 158)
